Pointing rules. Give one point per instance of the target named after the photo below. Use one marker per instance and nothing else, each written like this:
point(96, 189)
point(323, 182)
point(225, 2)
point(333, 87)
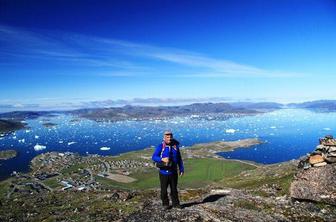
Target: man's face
point(168, 138)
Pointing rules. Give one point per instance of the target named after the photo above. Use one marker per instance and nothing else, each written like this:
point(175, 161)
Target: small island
point(49, 124)
point(7, 154)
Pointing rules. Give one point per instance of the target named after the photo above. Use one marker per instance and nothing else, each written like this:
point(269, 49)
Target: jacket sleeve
point(180, 162)
point(156, 155)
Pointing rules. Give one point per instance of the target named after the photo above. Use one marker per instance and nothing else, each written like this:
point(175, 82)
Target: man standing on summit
point(167, 156)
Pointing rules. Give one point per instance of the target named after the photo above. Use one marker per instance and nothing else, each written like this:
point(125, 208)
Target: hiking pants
point(170, 180)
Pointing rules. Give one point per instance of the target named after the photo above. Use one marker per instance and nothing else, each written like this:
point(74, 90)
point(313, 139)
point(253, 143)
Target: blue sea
point(287, 134)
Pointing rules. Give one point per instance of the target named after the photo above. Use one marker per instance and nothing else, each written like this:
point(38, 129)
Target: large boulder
point(315, 184)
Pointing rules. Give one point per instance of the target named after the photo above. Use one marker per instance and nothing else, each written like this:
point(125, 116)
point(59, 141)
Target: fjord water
point(287, 134)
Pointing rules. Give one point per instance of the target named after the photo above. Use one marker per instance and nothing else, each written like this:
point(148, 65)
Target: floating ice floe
point(36, 136)
point(327, 129)
point(28, 131)
point(230, 130)
point(273, 127)
point(105, 148)
point(70, 143)
point(22, 141)
point(39, 147)
point(61, 141)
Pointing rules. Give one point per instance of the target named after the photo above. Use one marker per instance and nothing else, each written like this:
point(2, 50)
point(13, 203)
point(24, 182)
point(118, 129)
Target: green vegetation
point(246, 204)
point(198, 173)
point(68, 206)
point(4, 187)
point(52, 182)
point(280, 176)
point(202, 171)
point(74, 168)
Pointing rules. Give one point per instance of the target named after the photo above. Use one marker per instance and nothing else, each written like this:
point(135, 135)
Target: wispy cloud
point(79, 103)
point(120, 58)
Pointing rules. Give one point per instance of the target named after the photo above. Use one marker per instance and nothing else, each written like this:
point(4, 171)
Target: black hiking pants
point(170, 180)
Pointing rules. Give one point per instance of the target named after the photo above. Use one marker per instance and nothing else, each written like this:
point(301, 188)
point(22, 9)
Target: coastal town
point(55, 171)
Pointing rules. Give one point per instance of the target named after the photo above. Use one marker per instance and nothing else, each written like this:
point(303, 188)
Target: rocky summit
point(316, 177)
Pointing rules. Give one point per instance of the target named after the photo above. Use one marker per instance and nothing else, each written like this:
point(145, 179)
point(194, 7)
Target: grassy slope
point(279, 174)
point(199, 172)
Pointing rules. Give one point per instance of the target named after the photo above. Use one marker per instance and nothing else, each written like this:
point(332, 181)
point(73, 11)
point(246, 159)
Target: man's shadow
point(208, 199)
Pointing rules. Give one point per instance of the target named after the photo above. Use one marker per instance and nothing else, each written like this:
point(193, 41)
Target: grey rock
point(315, 184)
point(332, 154)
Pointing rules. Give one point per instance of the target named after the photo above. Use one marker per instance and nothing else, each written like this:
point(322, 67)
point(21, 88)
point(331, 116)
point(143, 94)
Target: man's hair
point(167, 132)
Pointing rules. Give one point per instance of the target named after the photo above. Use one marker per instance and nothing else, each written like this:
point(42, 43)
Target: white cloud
point(122, 58)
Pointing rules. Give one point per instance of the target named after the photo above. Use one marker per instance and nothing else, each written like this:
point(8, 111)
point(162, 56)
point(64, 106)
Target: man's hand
point(181, 173)
point(165, 160)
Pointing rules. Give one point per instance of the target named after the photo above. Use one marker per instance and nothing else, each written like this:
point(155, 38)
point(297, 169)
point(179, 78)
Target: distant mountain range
point(318, 105)
point(22, 115)
point(158, 112)
point(258, 106)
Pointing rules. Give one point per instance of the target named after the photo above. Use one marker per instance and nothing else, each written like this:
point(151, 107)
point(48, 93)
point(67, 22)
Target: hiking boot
point(178, 206)
point(165, 207)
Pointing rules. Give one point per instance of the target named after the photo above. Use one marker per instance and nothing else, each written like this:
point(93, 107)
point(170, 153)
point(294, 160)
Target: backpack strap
point(164, 146)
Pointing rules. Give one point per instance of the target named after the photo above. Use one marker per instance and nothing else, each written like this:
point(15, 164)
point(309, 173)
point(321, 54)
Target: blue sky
point(84, 53)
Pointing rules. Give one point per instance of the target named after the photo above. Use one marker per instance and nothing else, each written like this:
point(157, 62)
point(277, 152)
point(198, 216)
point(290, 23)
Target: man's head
point(167, 136)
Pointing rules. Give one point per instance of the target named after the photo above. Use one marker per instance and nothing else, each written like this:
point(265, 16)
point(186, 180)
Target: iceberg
point(105, 148)
point(230, 130)
point(70, 143)
point(39, 147)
